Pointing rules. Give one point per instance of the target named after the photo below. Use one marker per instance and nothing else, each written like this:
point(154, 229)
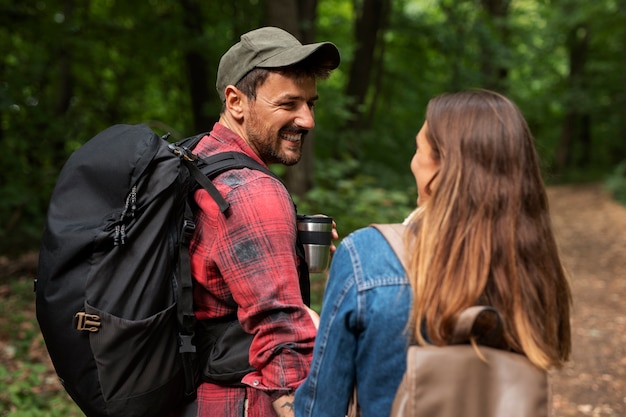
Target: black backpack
point(114, 289)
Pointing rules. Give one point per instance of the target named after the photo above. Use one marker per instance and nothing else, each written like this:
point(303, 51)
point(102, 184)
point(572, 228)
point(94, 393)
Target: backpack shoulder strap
point(204, 170)
point(216, 164)
point(482, 322)
point(394, 233)
point(183, 150)
point(206, 183)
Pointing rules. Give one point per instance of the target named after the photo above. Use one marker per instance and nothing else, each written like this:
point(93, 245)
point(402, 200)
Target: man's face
point(277, 122)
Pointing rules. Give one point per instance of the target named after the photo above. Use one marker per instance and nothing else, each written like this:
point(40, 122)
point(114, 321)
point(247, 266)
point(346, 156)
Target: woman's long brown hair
point(485, 236)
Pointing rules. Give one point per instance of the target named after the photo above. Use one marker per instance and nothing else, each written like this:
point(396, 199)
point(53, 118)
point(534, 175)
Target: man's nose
point(305, 118)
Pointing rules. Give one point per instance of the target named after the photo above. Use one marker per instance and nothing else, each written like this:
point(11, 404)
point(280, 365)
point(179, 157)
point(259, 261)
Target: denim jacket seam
point(359, 282)
point(383, 282)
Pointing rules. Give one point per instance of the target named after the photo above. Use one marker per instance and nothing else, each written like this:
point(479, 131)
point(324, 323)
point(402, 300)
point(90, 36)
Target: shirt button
point(255, 382)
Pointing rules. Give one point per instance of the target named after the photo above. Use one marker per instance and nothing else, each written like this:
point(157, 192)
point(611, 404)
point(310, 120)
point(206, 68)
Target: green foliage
point(616, 183)
point(28, 387)
point(355, 199)
point(19, 396)
point(68, 72)
point(17, 312)
point(318, 283)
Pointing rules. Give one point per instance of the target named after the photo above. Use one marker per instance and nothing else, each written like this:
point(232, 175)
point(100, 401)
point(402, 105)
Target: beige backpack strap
point(394, 233)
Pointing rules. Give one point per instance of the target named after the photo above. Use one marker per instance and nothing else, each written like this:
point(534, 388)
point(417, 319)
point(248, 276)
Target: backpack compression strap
point(191, 162)
point(186, 316)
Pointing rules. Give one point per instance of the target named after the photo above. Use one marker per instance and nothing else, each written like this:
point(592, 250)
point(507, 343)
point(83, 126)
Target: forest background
point(70, 68)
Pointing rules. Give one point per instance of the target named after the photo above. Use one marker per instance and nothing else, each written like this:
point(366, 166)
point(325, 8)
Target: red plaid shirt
point(249, 257)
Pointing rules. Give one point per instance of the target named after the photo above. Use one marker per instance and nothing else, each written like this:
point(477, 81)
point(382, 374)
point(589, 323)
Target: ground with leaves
point(591, 231)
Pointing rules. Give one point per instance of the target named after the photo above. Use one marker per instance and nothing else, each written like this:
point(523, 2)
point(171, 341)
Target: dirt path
point(591, 232)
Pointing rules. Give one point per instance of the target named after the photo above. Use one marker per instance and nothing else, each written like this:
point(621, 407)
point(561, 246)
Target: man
point(244, 262)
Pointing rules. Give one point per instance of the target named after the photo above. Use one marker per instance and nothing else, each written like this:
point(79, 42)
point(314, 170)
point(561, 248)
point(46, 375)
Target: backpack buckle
point(185, 345)
point(182, 152)
point(89, 322)
point(189, 226)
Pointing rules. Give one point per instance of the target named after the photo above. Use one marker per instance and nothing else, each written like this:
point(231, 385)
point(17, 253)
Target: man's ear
point(234, 102)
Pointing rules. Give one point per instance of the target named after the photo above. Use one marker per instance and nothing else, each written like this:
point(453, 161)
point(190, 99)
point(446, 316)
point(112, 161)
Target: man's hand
point(335, 236)
point(284, 406)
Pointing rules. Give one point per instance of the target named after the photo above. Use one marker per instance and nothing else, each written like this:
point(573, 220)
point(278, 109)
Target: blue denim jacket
point(362, 338)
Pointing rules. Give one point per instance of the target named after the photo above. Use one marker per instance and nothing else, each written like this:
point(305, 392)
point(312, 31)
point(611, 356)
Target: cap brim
point(323, 52)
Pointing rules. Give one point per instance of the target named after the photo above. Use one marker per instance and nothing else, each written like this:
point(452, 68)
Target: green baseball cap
point(269, 47)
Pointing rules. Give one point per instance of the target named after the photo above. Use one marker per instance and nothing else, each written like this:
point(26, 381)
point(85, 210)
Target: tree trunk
point(198, 69)
point(66, 78)
point(455, 22)
point(297, 18)
point(576, 124)
point(368, 27)
point(494, 72)
point(623, 135)
point(66, 84)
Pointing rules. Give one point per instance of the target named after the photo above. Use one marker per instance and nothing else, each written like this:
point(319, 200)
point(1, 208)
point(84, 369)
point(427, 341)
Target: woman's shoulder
point(365, 232)
point(368, 236)
point(365, 239)
point(370, 253)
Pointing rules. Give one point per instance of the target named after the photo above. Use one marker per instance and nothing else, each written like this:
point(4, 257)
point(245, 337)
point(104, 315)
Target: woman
point(484, 234)
point(481, 235)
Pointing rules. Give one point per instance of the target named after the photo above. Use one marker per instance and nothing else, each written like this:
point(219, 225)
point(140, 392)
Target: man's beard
point(269, 146)
point(272, 152)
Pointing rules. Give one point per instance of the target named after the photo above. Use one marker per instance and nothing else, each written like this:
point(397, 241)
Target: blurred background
point(70, 68)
